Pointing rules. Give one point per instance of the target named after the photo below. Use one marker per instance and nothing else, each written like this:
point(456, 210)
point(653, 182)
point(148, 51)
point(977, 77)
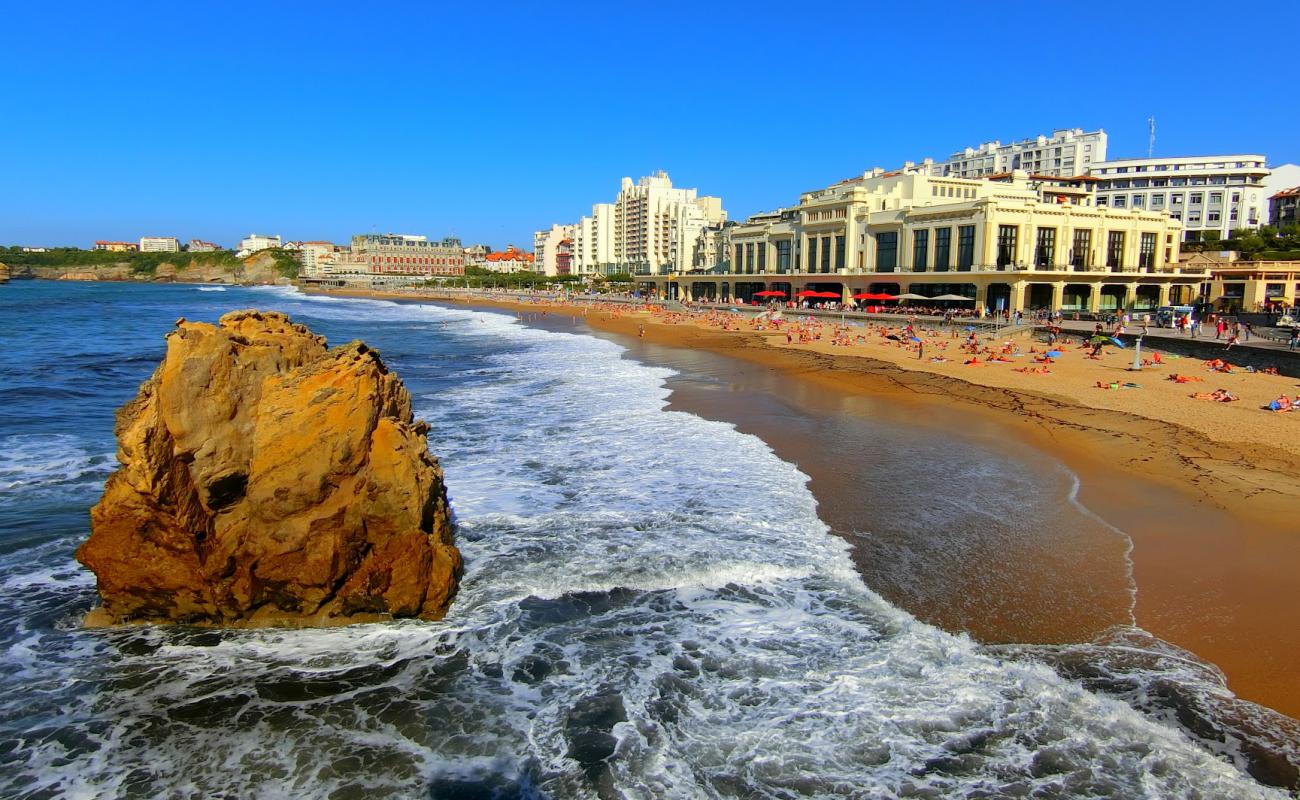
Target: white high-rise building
point(1064, 154)
point(1207, 194)
point(593, 241)
point(159, 244)
point(656, 226)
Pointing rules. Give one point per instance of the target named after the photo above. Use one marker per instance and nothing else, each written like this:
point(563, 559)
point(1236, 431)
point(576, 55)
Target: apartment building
point(656, 225)
point(1211, 196)
point(398, 254)
point(313, 257)
point(593, 241)
point(159, 244)
point(200, 246)
point(1066, 153)
point(547, 249)
point(1284, 208)
point(511, 259)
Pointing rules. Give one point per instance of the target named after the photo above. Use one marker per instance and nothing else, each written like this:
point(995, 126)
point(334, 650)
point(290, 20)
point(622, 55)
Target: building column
point(1017, 301)
point(981, 296)
point(1130, 295)
point(1164, 296)
point(1058, 296)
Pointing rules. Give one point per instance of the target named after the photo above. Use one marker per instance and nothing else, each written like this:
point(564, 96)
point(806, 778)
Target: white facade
point(1282, 177)
point(159, 244)
point(312, 255)
point(547, 249)
point(656, 226)
point(1064, 154)
point(1205, 193)
point(255, 242)
point(593, 241)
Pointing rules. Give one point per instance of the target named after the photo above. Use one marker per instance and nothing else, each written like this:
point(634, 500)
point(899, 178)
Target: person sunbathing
point(1033, 370)
point(1176, 378)
point(1218, 396)
point(1282, 403)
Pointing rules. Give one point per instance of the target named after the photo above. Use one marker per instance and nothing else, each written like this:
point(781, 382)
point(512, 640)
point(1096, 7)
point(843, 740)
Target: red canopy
point(828, 295)
point(769, 293)
point(874, 296)
point(807, 293)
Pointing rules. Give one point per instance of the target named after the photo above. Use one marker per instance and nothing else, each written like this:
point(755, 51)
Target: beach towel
point(1053, 353)
point(1117, 342)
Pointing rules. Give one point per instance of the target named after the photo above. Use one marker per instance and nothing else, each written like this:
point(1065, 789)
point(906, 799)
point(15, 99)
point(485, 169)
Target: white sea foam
point(650, 604)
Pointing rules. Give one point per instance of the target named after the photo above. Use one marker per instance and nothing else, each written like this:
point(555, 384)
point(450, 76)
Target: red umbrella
point(827, 295)
point(874, 296)
point(807, 293)
point(769, 293)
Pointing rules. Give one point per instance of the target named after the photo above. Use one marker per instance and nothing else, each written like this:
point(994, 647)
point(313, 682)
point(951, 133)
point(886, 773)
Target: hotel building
point(1212, 195)
point(255, 242)
point(395, 254)
point(511, 259)
point(159, 244)
point(997, 242)
point(1063, 154)
point(547, 247)
point(1284, 208)
point(656, 225)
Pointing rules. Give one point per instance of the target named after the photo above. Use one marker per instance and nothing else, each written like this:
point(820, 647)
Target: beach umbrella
point(911, 296)
point(952, 297)
point(806, 293)
point(769, 293)
point(826, 295)
point(1099, 339)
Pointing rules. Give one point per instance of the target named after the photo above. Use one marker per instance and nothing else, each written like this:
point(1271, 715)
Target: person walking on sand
point(641, 330)
point(1294, 341)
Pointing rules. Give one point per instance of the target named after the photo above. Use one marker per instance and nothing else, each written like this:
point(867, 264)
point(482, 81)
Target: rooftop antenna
point(1151, 141)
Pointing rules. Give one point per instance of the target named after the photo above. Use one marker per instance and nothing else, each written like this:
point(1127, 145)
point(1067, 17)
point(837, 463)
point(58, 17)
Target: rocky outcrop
point(268, 480)
point(4, 273)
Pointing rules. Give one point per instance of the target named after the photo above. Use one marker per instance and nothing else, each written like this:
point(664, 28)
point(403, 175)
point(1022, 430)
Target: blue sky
point(320, 119)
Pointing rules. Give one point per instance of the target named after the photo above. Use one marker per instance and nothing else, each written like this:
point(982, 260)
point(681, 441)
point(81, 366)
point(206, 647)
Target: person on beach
point(1294, 341)
point(641, 330)
point(1282, 403)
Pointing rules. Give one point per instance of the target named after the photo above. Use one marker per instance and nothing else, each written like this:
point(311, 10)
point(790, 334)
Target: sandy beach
point(1206, 491)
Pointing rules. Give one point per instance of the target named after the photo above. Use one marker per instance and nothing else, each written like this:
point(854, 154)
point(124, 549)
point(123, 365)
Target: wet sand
point(1213, 556)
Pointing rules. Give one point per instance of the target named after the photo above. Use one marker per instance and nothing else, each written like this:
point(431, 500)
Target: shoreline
point(1211, 564)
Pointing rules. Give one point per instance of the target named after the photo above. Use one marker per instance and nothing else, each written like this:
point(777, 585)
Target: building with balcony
point(546, 249)
point(656, 225)
point(1064, 154)
point(398, 254)
point(996, 242)
point(200, 246)
point(511, 259)
point(1284, 208)
point(1211, 196)
point(159, 244)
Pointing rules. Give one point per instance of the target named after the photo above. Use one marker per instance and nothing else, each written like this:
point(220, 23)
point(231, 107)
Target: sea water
point(650, 608)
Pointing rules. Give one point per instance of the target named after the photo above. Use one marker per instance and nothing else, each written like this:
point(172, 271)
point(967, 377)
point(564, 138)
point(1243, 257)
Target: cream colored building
point(1254, 285)
point(254, 242)
point(551, 247)
point(656, 225)
point(593, 241)
point(159, 244)
point(997, 242)
point(392, 253)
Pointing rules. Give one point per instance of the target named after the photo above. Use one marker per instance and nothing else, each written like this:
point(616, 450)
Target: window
point(1216, 198)
point(1081, 252)
point(1147, 251)
point(1115, 251)
point(1007, 245)
point(812, 254)
point(783, 255)
point(839, 252)
point(1139, 201)
point(826, 254)
point(1157, 201)
point(1196, 198)
point(1176, 199)
point(886, 251)
point(942, 246)
point(1045, 250)
point(762, 256)
point(1119, 201)
point(965, 247)
point(920, 250)
point(1177, 181)
point(1212, 216)
point(749, 258)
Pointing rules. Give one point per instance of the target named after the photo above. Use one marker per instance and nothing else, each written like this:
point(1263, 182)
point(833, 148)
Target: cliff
point(221, 267)
point(268, 480)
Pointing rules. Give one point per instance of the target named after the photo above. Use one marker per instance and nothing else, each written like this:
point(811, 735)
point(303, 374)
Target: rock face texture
point(266, 480)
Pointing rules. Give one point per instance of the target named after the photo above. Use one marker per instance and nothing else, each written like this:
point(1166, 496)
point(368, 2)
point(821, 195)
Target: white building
point(552, 250)
point(159, 244)
point(312, 256)
point(593, 241)
point(1207, 194)
point(1282, 177)
point(255, 242)
point(200, 246)
point(1063, 154)
point(656, 226)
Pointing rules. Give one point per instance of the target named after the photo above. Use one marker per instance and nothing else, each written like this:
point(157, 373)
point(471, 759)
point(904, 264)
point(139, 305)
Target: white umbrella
point(952, 297)
point(910, 296)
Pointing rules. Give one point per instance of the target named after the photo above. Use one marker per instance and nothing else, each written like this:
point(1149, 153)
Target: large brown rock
point(268, 480)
